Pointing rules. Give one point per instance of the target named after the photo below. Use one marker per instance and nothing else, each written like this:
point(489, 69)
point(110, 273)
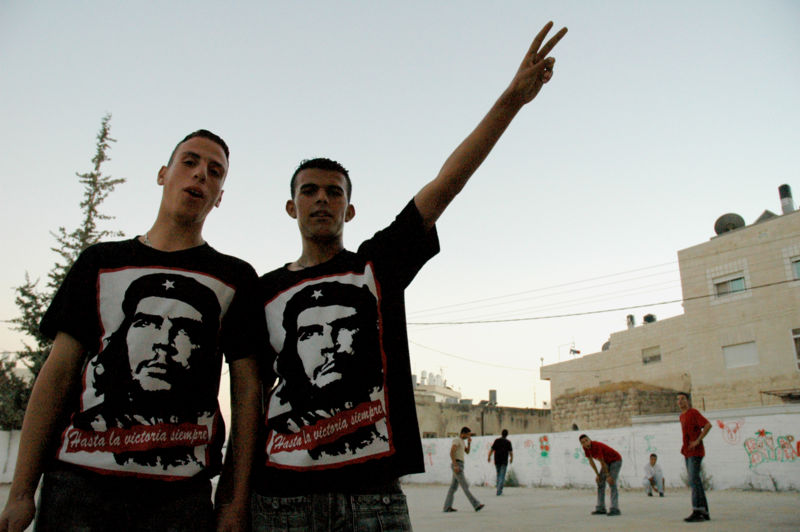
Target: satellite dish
point(728, 222)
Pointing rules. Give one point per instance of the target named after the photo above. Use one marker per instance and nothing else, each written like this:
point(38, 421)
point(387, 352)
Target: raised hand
point(536, 68)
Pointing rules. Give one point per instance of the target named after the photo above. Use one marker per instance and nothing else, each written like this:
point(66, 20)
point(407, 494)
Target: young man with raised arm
point(340, 422)
point(123, 421)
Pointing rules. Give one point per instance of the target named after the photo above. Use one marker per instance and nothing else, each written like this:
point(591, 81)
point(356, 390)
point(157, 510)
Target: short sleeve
point(74, 307)
point(244, 328)
point(403, 247)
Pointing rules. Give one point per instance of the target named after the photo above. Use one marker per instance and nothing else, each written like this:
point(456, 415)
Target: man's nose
point(163, 341)
point(200, 173)
point(327, 342)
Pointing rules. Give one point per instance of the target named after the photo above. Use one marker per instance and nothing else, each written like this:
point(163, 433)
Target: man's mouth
point(328, 367)
point(194, 192)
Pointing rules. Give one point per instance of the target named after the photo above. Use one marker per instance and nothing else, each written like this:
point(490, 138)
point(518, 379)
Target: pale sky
point(660, 118)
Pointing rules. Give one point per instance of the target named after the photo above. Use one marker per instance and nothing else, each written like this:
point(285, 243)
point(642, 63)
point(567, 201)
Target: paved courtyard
point(569, 509)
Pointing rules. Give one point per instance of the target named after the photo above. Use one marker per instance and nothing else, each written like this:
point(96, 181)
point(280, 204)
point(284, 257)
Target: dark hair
point(686, 395)
point(321, 163)
point(653, 455)
point(465, 429)
point(582, 436)
point(504, 433)
point(206, 134)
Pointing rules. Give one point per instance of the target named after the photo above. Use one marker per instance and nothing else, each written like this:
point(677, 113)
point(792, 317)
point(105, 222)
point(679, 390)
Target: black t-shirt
point(341, 415)
point(154, 326)
point(501, 448)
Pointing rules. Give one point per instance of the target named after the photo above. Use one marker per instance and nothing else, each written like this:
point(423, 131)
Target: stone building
point(442, 419)
point(736, 345)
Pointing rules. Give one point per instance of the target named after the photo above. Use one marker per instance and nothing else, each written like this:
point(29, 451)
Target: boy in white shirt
point(653, 477)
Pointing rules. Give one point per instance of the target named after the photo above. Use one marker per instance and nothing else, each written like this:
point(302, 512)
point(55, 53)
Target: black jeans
point(88, 502)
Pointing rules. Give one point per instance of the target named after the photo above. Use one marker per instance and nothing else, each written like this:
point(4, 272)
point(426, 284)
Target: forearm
point(45, 408)
point(245, 396)
point(434, 197)
point(594, 467)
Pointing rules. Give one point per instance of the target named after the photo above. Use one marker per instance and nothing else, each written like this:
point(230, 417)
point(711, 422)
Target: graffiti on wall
point(579, 455)
point(650, 447)
point(530, 447)
point(544, 450)
point(429, 449)
point(764, 447)
point(731, 430)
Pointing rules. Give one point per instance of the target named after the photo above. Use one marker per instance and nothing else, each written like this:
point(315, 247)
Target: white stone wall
point(748, 451)
point(9, 444)
point(758, 451)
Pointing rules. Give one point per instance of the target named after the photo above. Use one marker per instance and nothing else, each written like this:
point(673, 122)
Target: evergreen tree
point(33, 302)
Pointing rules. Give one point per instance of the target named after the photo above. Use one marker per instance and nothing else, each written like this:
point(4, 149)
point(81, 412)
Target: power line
point(479, 362)
point(589, 312)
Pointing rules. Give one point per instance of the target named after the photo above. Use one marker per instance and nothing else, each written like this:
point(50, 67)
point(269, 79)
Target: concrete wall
point(9, 445)
point(743, 450)
point(446, 419)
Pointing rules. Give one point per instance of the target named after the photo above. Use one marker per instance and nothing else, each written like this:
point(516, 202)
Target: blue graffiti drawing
point(650, 447)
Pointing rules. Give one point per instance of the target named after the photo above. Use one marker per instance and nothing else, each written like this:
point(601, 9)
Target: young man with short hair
point(694, 428)
point(458, 452)
point(610, 465)
point(653, 477)
point(123, 421)
point(340, 423)
point(503, 455)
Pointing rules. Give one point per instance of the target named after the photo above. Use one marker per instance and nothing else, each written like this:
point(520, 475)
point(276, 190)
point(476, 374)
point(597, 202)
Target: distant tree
point(32, 302)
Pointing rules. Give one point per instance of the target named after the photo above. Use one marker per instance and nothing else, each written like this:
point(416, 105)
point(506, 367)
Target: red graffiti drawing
point(730, 430)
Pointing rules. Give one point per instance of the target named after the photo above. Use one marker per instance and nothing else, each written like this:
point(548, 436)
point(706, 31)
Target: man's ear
point(219, 198)
point(161, 173)
point(350, 213)
point(291, 208)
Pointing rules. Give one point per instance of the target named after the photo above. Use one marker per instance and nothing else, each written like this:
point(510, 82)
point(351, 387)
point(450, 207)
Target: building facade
point(736, 345)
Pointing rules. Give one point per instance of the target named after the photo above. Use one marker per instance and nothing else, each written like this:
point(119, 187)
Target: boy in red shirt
point(610, 465)
point(694, 427)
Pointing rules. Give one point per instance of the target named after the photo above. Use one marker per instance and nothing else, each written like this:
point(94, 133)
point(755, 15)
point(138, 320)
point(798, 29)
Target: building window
point(796, 338)
point(740, 355)
point(651, 354)
point(729, 285)
point(796, 267)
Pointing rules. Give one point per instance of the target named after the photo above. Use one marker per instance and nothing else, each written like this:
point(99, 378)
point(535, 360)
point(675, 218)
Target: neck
point(173, 237)
point(315, 253)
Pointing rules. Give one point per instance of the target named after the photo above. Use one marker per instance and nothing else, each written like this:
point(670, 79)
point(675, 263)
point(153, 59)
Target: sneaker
point(479, 507)
point(695, 517)
point(649, 494)
point(614, 511)
point(661, 494)
point(450, 509)
point(599, 512)
point(706, 516)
